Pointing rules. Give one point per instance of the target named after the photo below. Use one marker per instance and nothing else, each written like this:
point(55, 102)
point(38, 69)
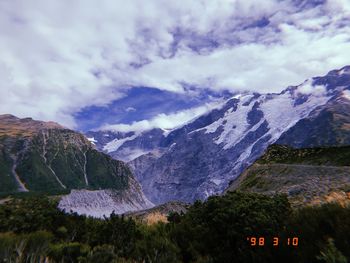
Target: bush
point(33, 230)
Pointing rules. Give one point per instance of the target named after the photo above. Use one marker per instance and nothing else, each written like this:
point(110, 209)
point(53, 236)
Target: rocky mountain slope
point(327, 125)
point(307, 175)
point(200, 158)
point(46, 157)
point(101, 203)
point(127, 146)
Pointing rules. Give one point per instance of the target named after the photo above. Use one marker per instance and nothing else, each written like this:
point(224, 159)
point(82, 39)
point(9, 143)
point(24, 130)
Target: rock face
point(307, 176)
point(202, 157)
point(327, 125)
point(46, 157)
point(102, 203)
point(127, 146)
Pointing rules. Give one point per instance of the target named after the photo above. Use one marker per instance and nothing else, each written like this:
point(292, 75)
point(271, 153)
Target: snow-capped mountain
point(202, 157)
point(127, 146)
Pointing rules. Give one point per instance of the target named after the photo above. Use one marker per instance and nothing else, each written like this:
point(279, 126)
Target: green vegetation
point(254, 181)
point(30, 194)
point(332, 254)
point(35, 173)
point(105, 172)
point(6, 178)
point(32, 229)
point(307, 176)
point(330, 156)
point(62, 153)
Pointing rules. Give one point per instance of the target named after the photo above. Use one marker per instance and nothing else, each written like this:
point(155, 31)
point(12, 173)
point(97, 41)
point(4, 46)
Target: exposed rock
point(102, 203)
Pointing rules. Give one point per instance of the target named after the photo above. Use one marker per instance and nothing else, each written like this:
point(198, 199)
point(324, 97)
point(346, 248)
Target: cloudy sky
point(152, 63)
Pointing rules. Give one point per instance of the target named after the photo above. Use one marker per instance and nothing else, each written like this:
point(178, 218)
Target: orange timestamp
point(275, 241)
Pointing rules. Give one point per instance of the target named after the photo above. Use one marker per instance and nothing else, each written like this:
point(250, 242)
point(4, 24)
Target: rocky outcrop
point(102, 203)
point(327, 125)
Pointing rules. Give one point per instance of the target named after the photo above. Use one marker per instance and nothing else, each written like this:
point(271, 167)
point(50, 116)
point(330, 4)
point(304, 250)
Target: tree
point(330, 254)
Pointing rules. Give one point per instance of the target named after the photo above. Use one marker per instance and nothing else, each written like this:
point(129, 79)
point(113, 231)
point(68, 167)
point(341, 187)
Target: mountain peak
point(8, 117)
point(343, 70)
point(11, 125)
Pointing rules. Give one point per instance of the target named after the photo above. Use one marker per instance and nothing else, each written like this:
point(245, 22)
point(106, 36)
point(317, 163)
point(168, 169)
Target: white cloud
point(130, 109)
point(60, 56)
point(308, 88)
point(346, 94)
point(164, 121)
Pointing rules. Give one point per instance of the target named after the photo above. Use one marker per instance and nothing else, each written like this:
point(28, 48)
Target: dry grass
point(15, 127)
point(346, 126)
point(13, 131)
point(339, 197)
point(154, 218)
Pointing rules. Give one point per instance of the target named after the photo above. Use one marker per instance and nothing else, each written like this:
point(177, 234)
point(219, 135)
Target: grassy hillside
point(48, 157)
point(326, 156)
point(6, 178)
point(307, 176)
